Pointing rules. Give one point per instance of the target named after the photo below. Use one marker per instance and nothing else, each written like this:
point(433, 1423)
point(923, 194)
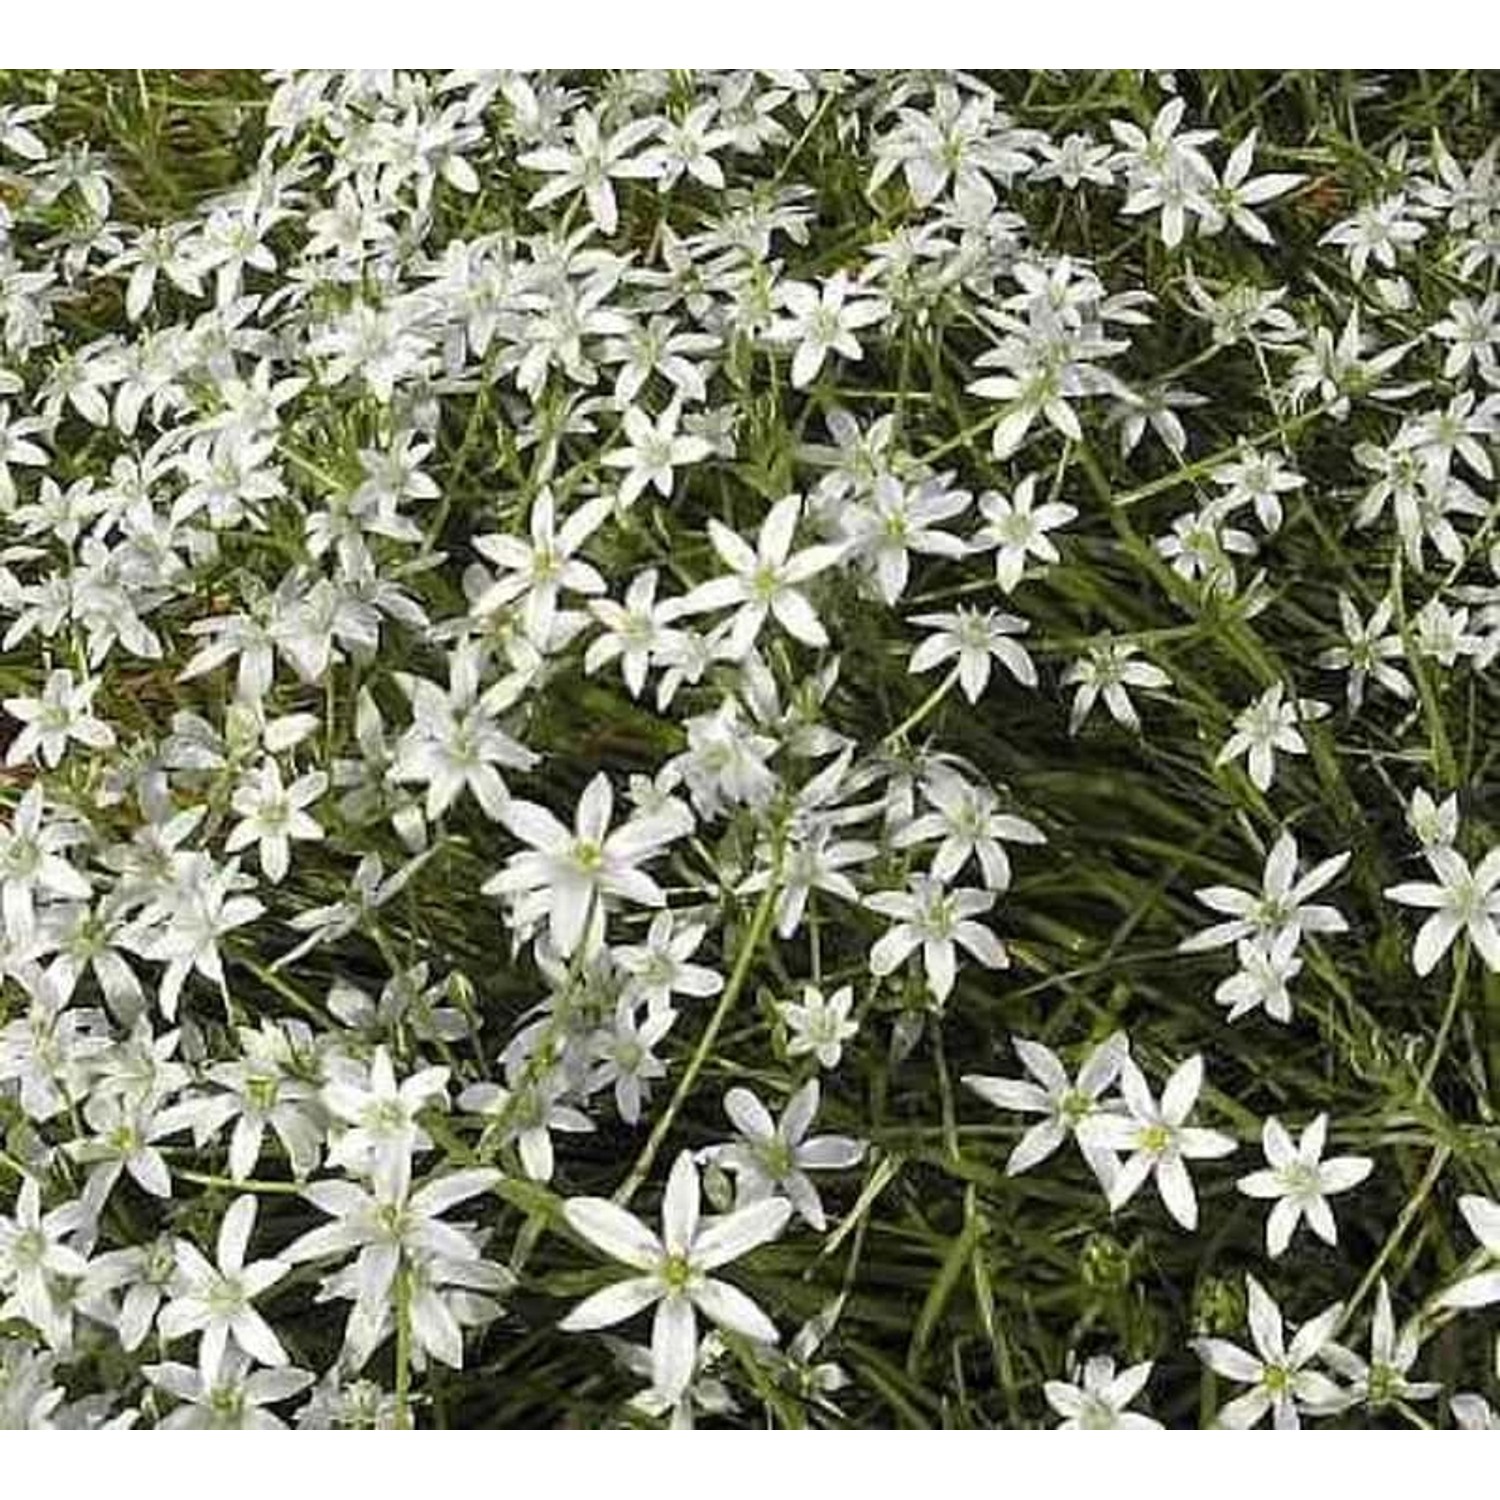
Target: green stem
point(403, 1348)
point(922, 710)
point(759, 922)
point(1435, 1166)
point(1450, 1011)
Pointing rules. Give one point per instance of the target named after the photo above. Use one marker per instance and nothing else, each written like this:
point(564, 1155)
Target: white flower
point(1483, 1288)
point(33, 1256)
point(823, 321)
point(590, 164)
point(1066, 1105)
point(1392, 1354)
point(1266, 968)
point(1434, 824)
point(1256, 479)
point(272, 816)
point(1201, 545)
point(1100, 1399)
point(1281, 905)
point(1380, 228)
point(526, 1115)
point(813, 861)
point(1166, 170)
point(1107, 670)
point(765, 581)
point(636, 632)
point(32, 863)
point(217, 1300)
point(1279, 1375)
point(687, 145)
point(674, 1269)
point(381, 1118)
point(659, 967)
point(624, 1057)
point(1229, 201)
point(977, 638)
point(395, 1229)
point(538, 572)
point(898, 520)
point(1017, 528)
point(1461, 901)
point(567, 875)
point(655, 450)
point(820, 1026)
point(454, 742)
point(1266, 726)
point(231, 1397)
point(1370, 647)
point(970, 825)
point(62, 713)
point(1159, 1138)
point(939, 921)
point(200, 911)
point(1300, 1182)
point(775, 1156)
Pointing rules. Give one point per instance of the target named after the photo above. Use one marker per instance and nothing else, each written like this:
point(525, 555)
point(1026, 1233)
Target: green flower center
point(677, 1273)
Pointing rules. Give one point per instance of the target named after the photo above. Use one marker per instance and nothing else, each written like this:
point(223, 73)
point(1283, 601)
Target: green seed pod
point(1218, 1306)
point(1104, 1264)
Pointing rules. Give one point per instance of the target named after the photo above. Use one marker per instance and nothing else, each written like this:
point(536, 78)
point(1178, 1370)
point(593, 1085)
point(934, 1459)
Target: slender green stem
point(922, 710)
point(403, 1347)
point(1450, 1011)
point(1435, 1165)
point(754, 933)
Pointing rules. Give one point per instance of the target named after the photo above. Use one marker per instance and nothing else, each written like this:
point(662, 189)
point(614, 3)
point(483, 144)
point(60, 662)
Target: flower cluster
point(551, 627)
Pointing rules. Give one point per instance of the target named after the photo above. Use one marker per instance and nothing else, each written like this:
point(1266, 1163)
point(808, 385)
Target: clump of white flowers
point(553, 628)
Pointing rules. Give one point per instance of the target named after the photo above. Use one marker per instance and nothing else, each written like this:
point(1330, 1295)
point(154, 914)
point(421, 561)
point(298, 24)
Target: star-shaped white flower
point(1267, 725)
point(1100, 1398)
point(217, 1300)
point(766, 580)
point(1017, 528)
point(823, 321)
point(567, 874)
point(1280, 906)
point(977, 637)
point(1461, 901)
point(1300, 1182)
point(1159, 1138)
point(539, 571)
point(272, 816)
point(775, 1156)
point(654, 450)
point(820, 1025)
point(938, 921)
point(673, 1271)
point(1279, 1375)
point(62, 713)
point(1106, 670)
point(1065, 1105)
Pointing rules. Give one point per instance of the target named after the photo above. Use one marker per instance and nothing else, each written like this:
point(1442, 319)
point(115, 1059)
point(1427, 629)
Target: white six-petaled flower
point(1461, 901)
point(566, 876)
point(1101, 1396)
point(765, 580)
point(1158, 1138)
point(1281, 1376)
point(1300, 1182)
point(673, 1271)
point(1066, 1105)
